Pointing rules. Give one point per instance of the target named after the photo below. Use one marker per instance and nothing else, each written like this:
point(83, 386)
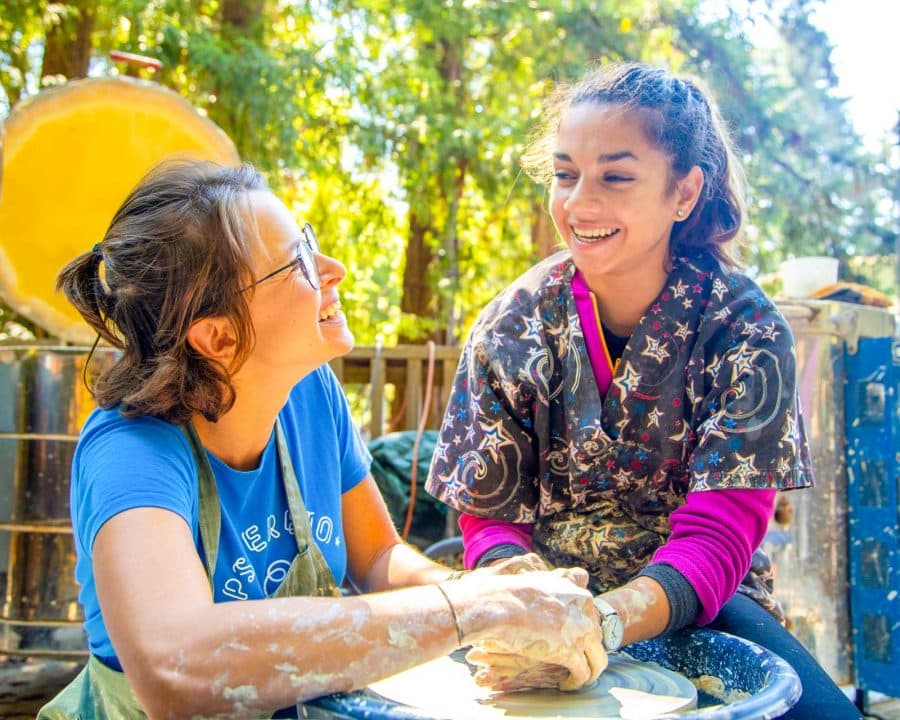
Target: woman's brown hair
point(178, 249)
point(682, 120)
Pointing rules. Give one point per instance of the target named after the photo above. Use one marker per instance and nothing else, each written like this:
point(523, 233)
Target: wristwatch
point(610, 624)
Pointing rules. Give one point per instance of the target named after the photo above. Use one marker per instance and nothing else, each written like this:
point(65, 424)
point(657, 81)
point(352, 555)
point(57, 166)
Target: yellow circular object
point(72, 154)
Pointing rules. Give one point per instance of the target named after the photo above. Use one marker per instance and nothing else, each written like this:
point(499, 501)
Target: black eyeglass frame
point(307, 247)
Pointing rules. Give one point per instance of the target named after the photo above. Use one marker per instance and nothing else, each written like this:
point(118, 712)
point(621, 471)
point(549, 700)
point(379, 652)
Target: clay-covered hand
point(529, 618)
point(516, 564)
point(508, 673)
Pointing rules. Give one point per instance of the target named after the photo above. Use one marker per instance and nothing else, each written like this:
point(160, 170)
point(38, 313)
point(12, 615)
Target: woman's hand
point(517, 564)
point(529, 619)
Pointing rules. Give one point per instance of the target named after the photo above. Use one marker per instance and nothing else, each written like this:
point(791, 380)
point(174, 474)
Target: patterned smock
point(704, 398)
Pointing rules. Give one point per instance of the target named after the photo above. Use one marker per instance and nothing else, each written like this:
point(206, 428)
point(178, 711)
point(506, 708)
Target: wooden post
point(413, 392)
point(376, 385)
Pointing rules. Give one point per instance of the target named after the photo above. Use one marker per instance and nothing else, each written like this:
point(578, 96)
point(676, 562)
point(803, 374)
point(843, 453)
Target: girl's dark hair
point(681, 119)
point(178, 249)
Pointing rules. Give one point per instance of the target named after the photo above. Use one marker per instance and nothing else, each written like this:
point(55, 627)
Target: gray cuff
point(498, 552)
point(684, 605)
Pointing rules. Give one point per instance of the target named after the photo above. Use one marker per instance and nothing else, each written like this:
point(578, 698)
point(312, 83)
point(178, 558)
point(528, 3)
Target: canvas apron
point(101, 692)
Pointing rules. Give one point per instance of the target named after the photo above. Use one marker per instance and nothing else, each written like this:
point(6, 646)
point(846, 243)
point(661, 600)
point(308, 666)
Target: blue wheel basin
point(755, 682)
point(736, 680)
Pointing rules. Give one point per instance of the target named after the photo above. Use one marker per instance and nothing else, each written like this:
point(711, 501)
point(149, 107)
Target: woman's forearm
point(245, 658)
point(403, 566)
point(186, 655)
point(250, 657)
point(377, 559)
point(643, 606)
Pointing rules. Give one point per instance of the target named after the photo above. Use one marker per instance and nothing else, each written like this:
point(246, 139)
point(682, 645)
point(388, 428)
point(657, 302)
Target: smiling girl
point(221, 494)
point(629, 405)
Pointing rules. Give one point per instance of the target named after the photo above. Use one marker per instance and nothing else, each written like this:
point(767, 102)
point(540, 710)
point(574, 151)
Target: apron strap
point(296, 506)
point(210, 517)
point(310, 573)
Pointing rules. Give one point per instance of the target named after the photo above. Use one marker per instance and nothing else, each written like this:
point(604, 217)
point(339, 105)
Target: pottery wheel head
point(627, 690)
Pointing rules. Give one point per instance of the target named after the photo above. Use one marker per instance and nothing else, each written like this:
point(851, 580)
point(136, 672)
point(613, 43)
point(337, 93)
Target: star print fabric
point(704, 398)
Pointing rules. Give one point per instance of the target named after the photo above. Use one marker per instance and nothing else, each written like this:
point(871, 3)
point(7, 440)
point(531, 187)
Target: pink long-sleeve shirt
point(713, 538)
point(714, 534)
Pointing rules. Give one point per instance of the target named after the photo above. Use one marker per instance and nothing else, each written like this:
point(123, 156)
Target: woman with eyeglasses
point(220, 494)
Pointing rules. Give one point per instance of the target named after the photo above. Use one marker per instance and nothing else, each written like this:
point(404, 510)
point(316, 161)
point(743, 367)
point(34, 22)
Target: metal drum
point(43, 404)
point(810, 553)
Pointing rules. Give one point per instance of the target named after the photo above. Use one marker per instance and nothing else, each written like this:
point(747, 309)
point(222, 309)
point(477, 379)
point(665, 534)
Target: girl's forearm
point(643, 606)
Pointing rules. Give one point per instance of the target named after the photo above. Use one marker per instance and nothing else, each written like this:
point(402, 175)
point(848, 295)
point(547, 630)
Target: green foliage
point(814, 189)
point(453, 128)
point(396, 127)
point(21, 25)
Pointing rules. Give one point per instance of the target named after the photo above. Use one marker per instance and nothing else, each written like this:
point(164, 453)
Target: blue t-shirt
point(121, 464)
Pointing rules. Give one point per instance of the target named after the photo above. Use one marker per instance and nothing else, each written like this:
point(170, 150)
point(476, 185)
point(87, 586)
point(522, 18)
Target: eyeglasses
point(307, 247)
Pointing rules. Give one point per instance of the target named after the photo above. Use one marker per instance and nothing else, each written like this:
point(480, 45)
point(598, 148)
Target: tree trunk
point(451, 246)
point(67, 46)
point(417, 300)
point(242, 22)
point(243, 18)
point(450, 69)
point(417, 296)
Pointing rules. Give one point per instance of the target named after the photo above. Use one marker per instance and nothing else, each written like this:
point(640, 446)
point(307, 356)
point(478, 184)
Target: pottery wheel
point(628, 689)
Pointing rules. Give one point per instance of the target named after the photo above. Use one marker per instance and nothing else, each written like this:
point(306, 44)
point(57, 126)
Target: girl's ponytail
point(81, 283)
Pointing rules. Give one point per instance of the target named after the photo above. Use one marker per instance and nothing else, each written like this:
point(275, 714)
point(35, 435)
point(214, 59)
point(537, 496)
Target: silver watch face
point(611, 624)
point(613, 630)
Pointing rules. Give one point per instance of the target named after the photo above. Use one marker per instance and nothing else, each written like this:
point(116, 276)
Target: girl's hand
point(531, 618)
point(508, 673)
